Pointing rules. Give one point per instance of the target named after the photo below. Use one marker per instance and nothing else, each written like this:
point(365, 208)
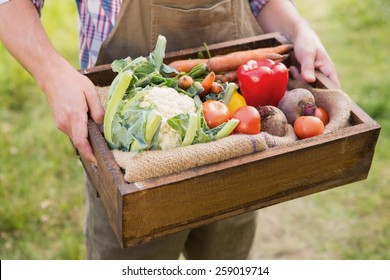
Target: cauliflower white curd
point(169, 103)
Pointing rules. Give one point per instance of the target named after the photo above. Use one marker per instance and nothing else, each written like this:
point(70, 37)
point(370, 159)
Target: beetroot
point(297, 102)
point(273, 120)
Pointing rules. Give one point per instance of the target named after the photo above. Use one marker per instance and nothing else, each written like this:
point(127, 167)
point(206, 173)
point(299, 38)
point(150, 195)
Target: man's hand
point(281, 16)
point(71, 95)
point(312, 55)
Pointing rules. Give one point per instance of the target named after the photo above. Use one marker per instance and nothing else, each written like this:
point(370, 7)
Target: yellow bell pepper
point(236, 102)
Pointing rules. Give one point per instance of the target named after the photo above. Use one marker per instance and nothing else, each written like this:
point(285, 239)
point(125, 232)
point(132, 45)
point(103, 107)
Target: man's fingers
point(329, 70)
point(294, 71)
point(79, 136)
point(307, 68)
point(95, 107)
point(85, 149)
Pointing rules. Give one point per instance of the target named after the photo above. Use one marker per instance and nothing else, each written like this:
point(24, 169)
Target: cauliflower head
point(169, 103)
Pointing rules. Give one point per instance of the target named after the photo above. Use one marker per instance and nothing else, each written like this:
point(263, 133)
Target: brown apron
point(185, 24)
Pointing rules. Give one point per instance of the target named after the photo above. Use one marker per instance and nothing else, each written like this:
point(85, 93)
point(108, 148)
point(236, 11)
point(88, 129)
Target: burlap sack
point(337, 104)
point(277, 141)
point(151, 164)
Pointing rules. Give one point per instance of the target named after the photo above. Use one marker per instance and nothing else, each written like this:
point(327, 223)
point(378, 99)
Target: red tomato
point(322, 115)
point(249, 118)
point(308, 126)
point(215, 113)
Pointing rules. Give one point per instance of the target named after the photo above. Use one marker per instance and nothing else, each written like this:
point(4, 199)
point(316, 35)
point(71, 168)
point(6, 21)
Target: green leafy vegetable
point(153, 124)
point(180, 124)
point(191, 130)
point(227, 129)
point(118, 91)
point(186, 125)
point(228, 92)
point(198, 70)
point(150, 129)
point(157, 56)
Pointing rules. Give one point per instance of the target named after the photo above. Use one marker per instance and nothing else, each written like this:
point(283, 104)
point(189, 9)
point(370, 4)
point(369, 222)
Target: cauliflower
point(169, 103)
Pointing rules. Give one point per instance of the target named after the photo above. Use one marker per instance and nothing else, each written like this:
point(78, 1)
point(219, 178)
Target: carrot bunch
point(225, 66)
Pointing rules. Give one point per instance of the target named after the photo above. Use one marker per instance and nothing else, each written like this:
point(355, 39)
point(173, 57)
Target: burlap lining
point(150, 164)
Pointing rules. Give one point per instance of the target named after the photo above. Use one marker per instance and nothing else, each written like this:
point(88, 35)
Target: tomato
point(322, 115)
point(249, 118)
point(236, 102)
point(215, 112)
point(308, 126)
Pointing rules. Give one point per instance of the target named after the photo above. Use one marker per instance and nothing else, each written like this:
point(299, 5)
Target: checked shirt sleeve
point(257, 5)
point(37, 3)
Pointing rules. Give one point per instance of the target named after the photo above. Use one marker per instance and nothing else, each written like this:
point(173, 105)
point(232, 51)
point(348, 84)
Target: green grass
point(41, 180)
point(349, 222)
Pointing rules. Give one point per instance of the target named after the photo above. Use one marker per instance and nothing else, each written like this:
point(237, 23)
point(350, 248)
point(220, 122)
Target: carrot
point(232, 61)
point(229, 62)
point(230, 76)
point(185, 65)
point(207, 82)
point(216, 88)
point(280, 49)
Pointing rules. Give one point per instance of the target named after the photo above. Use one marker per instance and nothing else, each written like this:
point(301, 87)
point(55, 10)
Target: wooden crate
point(142, 211)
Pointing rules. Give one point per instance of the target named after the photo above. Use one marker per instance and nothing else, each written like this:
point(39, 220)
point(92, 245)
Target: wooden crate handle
point(325, 81)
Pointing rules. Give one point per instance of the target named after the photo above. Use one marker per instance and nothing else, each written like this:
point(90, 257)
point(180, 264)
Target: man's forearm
point(70, 95)
point(280, 16)
point(22, 33)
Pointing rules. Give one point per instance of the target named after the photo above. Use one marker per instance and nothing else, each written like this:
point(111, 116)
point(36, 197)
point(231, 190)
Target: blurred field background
point(41, 180)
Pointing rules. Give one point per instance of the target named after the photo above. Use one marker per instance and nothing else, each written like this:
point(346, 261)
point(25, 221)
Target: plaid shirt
point(97, 18)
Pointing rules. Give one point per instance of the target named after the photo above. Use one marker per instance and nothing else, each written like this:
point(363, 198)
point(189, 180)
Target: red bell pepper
point(262, 82)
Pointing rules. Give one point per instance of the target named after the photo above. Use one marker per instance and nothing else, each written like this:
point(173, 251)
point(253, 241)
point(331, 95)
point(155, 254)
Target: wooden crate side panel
point(201, 200)
point(100, 75)
point(106, 178)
